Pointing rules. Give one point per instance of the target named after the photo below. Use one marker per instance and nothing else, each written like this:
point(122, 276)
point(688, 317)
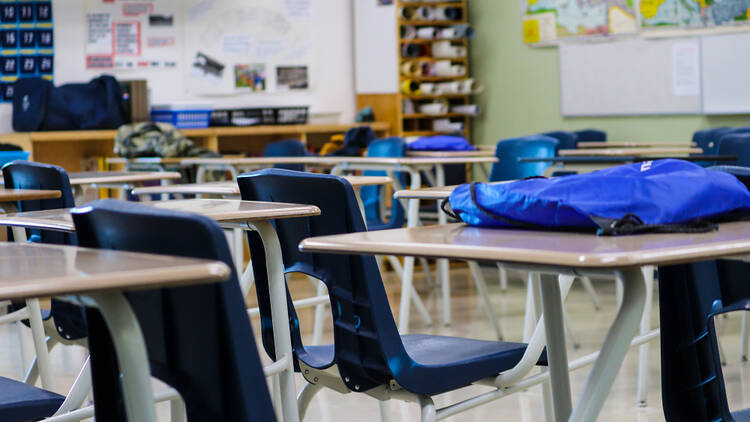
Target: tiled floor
point(469, 320)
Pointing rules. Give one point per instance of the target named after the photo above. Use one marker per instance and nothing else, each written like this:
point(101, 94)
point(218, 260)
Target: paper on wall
point(686, 77)
point(253, 39)
point(131, 34)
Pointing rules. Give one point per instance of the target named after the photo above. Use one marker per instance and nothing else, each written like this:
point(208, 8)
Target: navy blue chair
point(20, 402)
point(368, 350)
point(371, 195)
point(690, 296)
point(30, 175)
point(566, 140)
point(356, 140)
point(508, 151)
point(737, 144)
point(68, 319)
point(286, 148)
point(198, 338)
point(591, 135)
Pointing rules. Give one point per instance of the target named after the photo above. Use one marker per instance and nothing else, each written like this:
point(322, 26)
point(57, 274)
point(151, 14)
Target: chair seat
point(20, 402)
point(741, 415)
point(476, 358)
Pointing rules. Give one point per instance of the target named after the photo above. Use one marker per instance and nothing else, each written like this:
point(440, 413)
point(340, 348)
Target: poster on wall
point(260, 46)
point(27, 41)
point(131, 34)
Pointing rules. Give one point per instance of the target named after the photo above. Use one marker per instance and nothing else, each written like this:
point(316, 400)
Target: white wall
point(375, 54)
point(331, 70)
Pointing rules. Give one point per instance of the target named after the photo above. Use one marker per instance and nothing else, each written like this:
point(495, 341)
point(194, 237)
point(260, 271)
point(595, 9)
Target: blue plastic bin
point(183, 119)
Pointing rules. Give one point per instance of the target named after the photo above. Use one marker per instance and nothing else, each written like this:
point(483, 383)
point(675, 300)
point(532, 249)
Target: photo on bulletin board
point(27, 41)
point(291, 77)
point(250, 77)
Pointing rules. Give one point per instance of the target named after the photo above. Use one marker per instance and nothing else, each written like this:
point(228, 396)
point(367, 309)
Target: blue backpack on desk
point(653, 196)
point(441, 143)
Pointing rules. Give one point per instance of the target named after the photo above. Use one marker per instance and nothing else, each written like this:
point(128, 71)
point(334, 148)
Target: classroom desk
point(98, 278)
point(229, 213)
point(589, 163)
point(119, 177)
point(628, 152)
point(558, 253)
point(635, 144)
point(447, 154)
point(231, 188)
point(32, 311)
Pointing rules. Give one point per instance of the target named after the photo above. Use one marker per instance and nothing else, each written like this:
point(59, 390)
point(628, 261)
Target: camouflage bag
point(151, 139)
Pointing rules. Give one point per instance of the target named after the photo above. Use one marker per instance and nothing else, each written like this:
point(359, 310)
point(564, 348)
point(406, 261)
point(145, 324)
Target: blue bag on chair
point(654, 196)
point(441, 143)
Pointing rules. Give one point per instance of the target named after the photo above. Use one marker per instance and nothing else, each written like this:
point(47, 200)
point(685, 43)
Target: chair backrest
point(199, 339)
point(508, 152)
point(372, 195)
point(356, 139)
point(737, 144)
point(30, 175)
point(286, 148)
point(566, 140)
point(365, 334)
point(591, 135)
point(68, 318)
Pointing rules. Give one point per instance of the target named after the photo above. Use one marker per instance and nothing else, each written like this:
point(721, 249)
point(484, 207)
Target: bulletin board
point(131, 34)
point(27, 42)
point(249, 46)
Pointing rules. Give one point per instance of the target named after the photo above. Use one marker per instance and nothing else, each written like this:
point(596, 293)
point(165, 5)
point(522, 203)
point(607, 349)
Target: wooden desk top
point(332, 161)
point(221, 210)
point(13, 195)
point(93, 177)
point(108, 135)
point(570, 250)
point(36, 270)
point(627, 152)
point(635, 144)
point(435, 193)
point(231, 188)
point(446, 154)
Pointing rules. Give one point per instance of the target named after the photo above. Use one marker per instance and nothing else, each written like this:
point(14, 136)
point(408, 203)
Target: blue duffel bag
point(663, 196)
point(441, 143)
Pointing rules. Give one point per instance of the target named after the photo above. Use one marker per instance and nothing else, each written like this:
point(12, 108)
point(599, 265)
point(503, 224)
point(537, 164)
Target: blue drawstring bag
point(664, 196)
point(441, 143)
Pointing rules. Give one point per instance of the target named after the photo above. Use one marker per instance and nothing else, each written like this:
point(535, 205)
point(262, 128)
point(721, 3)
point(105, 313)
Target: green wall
point(522, 88)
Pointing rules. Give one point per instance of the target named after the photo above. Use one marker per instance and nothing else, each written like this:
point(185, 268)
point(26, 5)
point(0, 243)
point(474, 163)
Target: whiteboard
point(726, 78)
point(625, 77)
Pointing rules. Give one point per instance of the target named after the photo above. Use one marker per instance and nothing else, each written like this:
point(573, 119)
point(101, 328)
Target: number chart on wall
point(27, 43)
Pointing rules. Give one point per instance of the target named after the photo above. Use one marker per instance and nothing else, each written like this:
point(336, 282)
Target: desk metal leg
point(557, 354)
point(615, 346)
point(280, 317)
point(135, 374)
point(643, 350)
point(443, 265)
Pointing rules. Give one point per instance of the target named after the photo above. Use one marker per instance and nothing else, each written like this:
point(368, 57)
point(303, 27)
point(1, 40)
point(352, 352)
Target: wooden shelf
point(434, 97)
point(429, 132)
point(430, 23)
point(431, 59)
point(431, 40)
point(435, 116)
point(432, 78)
point(431, 3)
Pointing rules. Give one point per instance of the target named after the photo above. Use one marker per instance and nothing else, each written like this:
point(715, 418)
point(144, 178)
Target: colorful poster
point(250, 77)
point(692, 14)
point(550, 20)
point(131, 34)
point(26, 43)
